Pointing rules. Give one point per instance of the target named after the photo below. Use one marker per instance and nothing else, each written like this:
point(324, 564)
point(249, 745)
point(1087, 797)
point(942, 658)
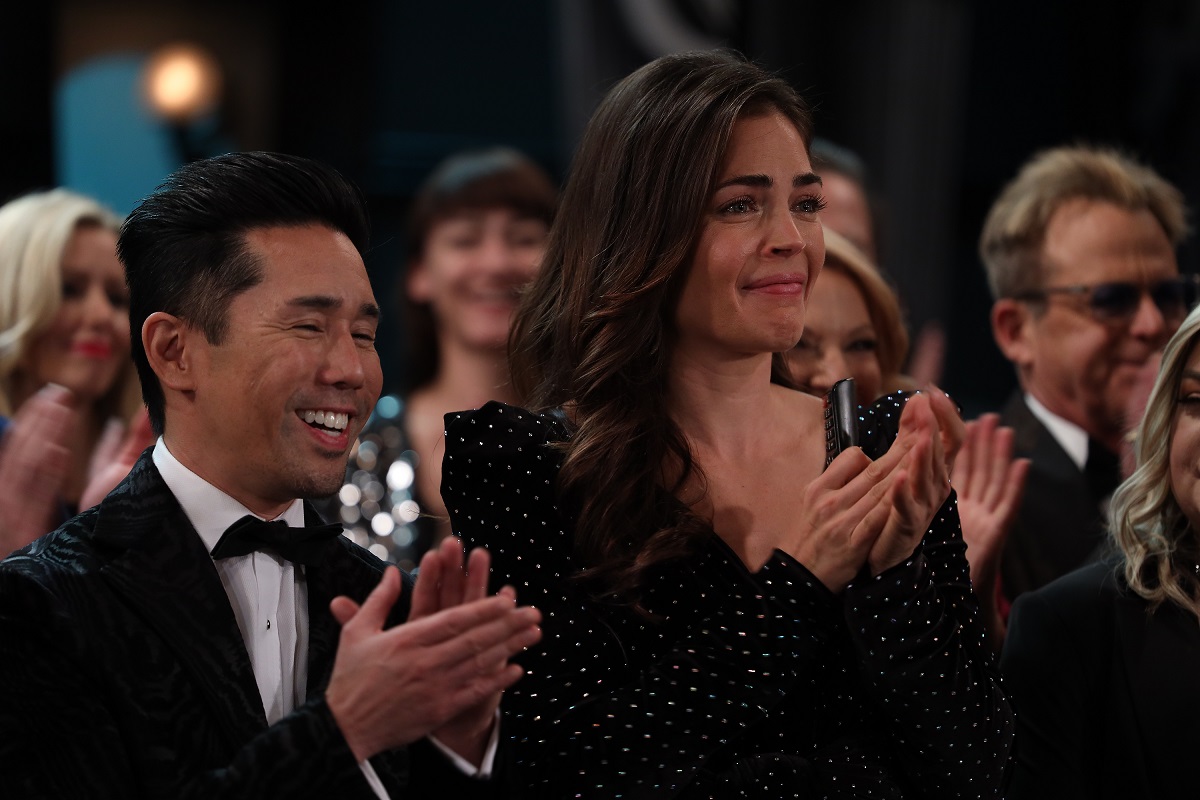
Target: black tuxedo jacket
point(123, 673)
point(1060, 524)
point(1106, 695)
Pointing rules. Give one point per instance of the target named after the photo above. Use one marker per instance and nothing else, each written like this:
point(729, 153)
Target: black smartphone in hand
point(841, 421)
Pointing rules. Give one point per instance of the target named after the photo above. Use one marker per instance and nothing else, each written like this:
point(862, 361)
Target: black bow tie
point(298, 545)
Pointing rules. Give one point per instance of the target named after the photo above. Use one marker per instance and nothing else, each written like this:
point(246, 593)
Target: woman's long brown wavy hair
point(595, 330)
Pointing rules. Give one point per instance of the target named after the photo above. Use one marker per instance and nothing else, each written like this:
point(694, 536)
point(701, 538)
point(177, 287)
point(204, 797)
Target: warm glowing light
point(182, 82)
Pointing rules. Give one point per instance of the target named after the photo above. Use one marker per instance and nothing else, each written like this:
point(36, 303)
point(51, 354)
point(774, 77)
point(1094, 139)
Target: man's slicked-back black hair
point(184, 246)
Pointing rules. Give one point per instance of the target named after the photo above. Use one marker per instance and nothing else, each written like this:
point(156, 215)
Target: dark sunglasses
point(1118, 301)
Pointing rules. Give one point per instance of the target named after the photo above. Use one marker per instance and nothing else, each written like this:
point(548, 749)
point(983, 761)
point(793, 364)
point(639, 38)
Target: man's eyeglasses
point(1118, 301)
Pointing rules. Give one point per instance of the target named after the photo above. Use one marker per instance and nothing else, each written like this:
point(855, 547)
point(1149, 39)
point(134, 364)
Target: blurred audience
point(990, 483)
point(1102, 663)
point(849, 210)
point(847, 200)
point(1080, 256)
point(853, 327)
point(477, 232)
point(66, 381)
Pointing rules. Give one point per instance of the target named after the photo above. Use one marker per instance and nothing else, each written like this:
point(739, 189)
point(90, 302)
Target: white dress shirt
point(1070, 437)
point(269, 597)
point(270, 601)
point(268, 594)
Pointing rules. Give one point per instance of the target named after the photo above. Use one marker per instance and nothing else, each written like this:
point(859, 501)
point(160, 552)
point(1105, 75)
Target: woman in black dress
point(722, 618)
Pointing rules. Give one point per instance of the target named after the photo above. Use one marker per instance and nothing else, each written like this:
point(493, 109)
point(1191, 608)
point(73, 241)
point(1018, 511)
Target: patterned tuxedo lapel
point(158, 563)
point(347, 570)
point(337, 574)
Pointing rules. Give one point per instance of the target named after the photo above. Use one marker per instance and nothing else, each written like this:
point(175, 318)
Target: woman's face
point(1185, 441)
point(87, 342)
point(760, 247)
point(839, 340)
point(472, 270)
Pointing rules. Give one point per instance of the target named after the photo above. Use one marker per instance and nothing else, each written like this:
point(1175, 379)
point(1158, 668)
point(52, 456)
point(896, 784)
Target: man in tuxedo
point(1080, 256)
point(171, 642)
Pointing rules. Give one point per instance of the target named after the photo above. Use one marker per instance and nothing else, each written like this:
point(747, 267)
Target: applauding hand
point(116, 453)
point(443, 669)
point(989, 482)
point(863, 512)
point(34, 460)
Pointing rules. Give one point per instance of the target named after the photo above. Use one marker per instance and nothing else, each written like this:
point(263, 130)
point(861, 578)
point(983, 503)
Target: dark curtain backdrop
point(944, 99)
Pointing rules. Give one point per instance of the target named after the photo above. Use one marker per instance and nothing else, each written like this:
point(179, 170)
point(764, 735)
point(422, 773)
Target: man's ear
point(417, 283)
point(166, 339)
point(1012, 323)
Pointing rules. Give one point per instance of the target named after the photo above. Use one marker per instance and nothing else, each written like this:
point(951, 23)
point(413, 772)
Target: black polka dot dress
point(736, 684)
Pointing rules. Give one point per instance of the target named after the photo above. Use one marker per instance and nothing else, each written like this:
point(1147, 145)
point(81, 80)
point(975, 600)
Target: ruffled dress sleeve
point(924, 655)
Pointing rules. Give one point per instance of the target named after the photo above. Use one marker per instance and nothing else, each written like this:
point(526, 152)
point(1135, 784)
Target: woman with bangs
point(723, 618)
point(477, 231)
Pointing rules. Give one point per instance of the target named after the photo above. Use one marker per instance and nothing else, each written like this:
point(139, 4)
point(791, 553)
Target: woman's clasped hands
point(861, 512)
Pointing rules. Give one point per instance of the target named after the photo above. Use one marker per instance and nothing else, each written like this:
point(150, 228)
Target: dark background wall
point(943, 98)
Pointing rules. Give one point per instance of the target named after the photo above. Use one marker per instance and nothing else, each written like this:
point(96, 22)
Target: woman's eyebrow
point(764, 181)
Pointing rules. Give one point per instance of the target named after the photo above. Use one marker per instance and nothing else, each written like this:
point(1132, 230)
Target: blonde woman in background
point(1102, 662)
point(66, 381)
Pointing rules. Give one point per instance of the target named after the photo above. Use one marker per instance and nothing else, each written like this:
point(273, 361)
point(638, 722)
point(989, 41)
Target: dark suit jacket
point(1059, 526)
point(1107, 696)
point(123, 673)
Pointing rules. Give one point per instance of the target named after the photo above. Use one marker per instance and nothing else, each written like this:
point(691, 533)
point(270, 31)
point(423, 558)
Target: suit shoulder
point(67, 550)
point(52, 584)
point(1071, 620)
point(1079, 596)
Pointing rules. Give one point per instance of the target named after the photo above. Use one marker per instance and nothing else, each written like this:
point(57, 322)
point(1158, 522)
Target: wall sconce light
point(182, 82)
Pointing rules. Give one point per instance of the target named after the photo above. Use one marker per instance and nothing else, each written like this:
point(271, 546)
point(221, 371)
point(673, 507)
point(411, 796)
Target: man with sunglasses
point(1080, 256)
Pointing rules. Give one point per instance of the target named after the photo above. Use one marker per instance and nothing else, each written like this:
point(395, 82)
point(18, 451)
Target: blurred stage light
point(182, 82)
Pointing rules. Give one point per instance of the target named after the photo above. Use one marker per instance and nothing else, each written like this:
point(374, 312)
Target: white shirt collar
point(1070, 437)
point(209, 509)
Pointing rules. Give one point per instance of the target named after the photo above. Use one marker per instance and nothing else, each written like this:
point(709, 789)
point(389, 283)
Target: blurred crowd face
point(760, 248)
point(839, 340)
point(87, 343)
point(1082, 365)
point(848, 212)
point(472, 270)
point(1185, 441)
